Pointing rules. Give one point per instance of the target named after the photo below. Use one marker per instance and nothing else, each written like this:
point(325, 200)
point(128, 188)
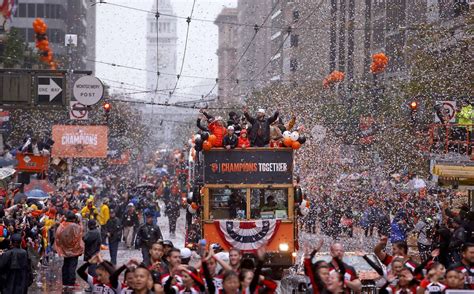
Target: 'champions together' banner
point(251, 166)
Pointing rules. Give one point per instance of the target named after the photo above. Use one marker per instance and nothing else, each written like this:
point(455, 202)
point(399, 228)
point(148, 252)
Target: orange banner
point(80, 141)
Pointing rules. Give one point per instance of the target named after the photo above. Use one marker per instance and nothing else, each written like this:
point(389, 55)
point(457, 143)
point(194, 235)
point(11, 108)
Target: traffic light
point(107, 107)
point(413, 106)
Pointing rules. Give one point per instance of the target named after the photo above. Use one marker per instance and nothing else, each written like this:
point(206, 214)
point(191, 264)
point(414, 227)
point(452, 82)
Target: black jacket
point(201, 127)
point(15, 272)
point(236, 125)
point(230, 140)
point(259, 134)
point(130, 219)
point(147, 235)
point(92, 242)
point(114, 228)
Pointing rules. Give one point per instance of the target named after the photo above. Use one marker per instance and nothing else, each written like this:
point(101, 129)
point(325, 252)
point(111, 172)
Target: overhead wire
point(145, 88)
point(147, 70)
point(318, 28)
point(157, 28)
point(168, 104)
point(161, 73)
point(188, 21)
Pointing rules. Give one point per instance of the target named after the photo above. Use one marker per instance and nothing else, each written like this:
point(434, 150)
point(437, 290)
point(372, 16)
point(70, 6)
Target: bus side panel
point(285, 234)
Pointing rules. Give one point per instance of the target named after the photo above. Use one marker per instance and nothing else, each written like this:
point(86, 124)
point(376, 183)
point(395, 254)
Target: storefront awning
point(454, 171)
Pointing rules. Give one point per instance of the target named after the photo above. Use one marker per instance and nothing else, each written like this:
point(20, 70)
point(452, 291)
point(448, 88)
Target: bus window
point(269, 203)
point(227, 203)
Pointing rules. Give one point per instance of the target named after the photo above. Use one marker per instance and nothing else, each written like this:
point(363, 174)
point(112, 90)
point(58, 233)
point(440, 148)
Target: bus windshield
point(228, 203)
point(269, 203)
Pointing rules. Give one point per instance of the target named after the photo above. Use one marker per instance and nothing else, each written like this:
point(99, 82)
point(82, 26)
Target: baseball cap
point(168, 243)
point(185, 253)
point(91, 224)
point(261, 110)
point(230, 128)
point(216, 246)
point(16, 238)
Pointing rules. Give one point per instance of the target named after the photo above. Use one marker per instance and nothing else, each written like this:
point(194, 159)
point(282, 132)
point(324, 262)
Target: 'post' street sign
point(88, 90)
point(50, 90)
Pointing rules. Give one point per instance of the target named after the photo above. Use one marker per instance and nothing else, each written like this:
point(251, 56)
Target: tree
point(16, 52)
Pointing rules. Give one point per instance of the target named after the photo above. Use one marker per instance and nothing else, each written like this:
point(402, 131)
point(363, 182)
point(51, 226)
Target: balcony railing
point(451, 138)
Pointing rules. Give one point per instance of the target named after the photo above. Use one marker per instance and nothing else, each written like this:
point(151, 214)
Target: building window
point(60, 11)
point(57, 14)
point(293, 64)
point(31, 35)
point(276, 35)
point(276, 14)
point(296, 15)
point(47, 10)
point(31, 10)
point(56, 36)
point(22, 10)
point(294, 39)
point(40, 10)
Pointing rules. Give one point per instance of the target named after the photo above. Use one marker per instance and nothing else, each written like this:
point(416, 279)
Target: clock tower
point(166, 35)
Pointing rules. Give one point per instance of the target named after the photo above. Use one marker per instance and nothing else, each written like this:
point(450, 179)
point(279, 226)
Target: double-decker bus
point(247, 201)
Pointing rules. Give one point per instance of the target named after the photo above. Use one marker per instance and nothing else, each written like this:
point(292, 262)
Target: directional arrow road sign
point(50, 90)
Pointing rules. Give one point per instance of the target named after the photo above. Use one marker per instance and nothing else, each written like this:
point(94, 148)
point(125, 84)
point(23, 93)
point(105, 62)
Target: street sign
point(70, 40)
point(77, 111)
point(50, 90)
point(88, 90)
point(447, 109)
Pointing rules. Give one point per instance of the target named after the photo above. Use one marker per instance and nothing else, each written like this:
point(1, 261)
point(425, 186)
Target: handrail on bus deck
point(448, 127)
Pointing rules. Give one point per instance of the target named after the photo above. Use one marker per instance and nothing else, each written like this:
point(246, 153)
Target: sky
point(121, 39)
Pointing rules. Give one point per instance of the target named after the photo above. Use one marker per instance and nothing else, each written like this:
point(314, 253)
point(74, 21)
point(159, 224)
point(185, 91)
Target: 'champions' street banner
point(247, 235)
point(249, 166)
point(80, 141)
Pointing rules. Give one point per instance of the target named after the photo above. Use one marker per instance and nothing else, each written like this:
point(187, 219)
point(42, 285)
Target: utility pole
point(71, 41)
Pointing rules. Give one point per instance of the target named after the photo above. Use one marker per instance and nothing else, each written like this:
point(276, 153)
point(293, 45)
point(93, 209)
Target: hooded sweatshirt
point(243, 142)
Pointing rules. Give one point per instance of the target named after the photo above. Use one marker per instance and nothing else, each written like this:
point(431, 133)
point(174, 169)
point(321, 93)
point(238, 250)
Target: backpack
point(3, 233)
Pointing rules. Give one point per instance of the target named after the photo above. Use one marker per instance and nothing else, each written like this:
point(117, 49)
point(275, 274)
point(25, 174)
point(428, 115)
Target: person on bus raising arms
point(259, 133)
point(399, 249)
point(216, 127)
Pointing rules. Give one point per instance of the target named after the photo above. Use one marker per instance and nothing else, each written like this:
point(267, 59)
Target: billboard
point(80, 141)
point(248, 166)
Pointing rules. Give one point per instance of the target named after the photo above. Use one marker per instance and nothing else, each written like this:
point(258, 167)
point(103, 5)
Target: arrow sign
point(50, 90)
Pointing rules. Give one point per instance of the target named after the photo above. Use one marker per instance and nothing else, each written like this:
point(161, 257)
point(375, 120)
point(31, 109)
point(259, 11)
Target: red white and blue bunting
point(247, 235)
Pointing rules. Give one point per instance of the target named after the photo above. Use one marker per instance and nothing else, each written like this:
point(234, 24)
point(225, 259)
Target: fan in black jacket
point(230, 139)
point(92, 242)
point(113, 229)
